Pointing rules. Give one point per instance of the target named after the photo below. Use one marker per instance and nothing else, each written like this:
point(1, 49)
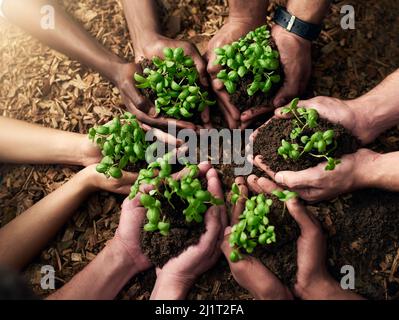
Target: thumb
point(289, 90)
point(128, 178)
point(300, 179)
point(226, 249)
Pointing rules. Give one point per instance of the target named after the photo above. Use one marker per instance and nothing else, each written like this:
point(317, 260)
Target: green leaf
point(149, 227)
point(115, 172)
point(139, 78)
point(168, 52)
point(230, 87)
point(235, 188)
point(146, 200)
point(102, 168)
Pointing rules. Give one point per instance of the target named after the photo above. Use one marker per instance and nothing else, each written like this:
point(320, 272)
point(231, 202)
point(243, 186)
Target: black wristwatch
point(306, 30)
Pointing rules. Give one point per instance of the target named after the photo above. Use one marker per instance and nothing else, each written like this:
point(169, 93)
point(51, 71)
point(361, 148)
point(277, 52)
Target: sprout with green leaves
point(188, 189)
point(253, 227)
point(122, 142)
point(175, 82)
point(251, 55)
point(319, 145)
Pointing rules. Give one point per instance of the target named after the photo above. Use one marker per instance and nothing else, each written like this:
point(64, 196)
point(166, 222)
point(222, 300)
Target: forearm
point(142, 20)
point(25, 236)
point(381, 171)
point(327, 289)
point(101, 279)
point(67, 36)
point(378, 110)
point(312, 11)
point(22, 142)
point(248, 10)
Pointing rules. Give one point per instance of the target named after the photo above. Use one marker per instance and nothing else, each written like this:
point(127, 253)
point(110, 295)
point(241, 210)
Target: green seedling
point(254, 227)
point(319, 145)
point(250, 55)
point(122, 142)
point(188, 189)
point(175, 82)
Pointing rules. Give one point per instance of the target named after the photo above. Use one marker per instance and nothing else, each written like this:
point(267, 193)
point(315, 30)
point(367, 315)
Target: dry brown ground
point(42, 86)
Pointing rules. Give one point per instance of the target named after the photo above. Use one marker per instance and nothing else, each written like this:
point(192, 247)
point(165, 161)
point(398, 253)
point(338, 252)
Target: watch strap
point(306, 30)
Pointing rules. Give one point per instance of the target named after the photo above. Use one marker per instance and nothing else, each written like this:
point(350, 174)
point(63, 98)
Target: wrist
point(373, 116)
point(171, 287)
point(124, 257)
point(87, 180)
point(309, 12)
point(367, 169)
point(319, 288)
point(252, 12)
point(142, 40)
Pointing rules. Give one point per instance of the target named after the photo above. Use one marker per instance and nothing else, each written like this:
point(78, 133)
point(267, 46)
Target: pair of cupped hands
point(177, 276)
point(295, 56)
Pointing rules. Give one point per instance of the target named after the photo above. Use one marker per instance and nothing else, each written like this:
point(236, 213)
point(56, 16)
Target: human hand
point(347, 113)
point(249, 272)
point(178, 275)
point(94, 181)
point(127, 236)
point(138, 104)
point(312, 279)
point(234, 29)
point(154, 47)
point(296, 59)
point(316, 184)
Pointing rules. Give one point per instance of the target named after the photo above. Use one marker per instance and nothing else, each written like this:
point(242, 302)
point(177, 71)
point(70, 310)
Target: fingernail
point(280, 102)
point(227, 231)
point(279, 178)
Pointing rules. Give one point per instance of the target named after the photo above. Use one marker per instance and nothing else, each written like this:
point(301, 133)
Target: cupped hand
point(98, 181)
point(343, 112)
point(179, 273)
point(138, 104)
point(317, 184)
point(128, 233)
point(249, 272)
point(233, 30)
point(296, 59)
point(155, 48)
point(311, 245)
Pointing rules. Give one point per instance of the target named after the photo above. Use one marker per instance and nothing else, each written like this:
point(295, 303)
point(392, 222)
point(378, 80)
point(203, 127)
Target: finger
point(205, 117)
point(258, 161)
point(289, 90)
point(201, 67)
point(163, 136)
point(251, 114)
point(131, 204)
point(124, 183)
point(146, 188)
point(252, 182)
point(300, 215)
point(159, 122)
point(300, 179)
point(239, 207)
point(313, 194)
point(203, 169)
point(209, 239)
point(225, 246)
point(279, 113)
point(224, 97)
point(231, 122)
point(267, 185)
point(133, 94)
point(212, 68)
point(214, 184)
